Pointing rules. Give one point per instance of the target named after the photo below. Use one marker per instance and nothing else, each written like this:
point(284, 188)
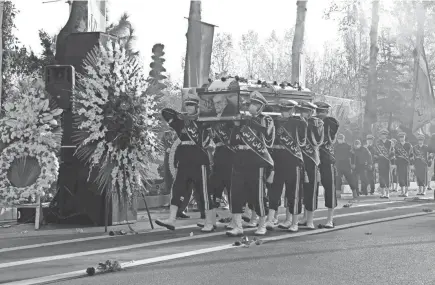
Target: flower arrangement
point(31, 133)
point(118, 120)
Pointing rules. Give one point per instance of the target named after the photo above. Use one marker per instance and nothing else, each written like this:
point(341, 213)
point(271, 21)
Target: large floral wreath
point(117, 119)
point(49, 169)
point(29, 128)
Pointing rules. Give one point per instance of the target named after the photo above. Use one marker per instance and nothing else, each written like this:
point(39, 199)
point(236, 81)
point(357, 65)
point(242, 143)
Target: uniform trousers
point(311, 187)
point(384, 173)
point(289, 171)
point(220, 177)
point(402, 172)
point(421, 172)
point(360, 173)
point(371, 177)
point(346, 171)
point(328, 175)
point(248, 183)
point(188, 174)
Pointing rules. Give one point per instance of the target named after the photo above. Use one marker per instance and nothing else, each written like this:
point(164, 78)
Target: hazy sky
point(162, 21)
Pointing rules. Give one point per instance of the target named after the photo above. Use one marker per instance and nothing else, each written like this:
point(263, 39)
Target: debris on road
point(225, 220)
point(348, 205)
point(191, 234)
point(427, 210)
point(106, 267)
point(119, 233)
point(245, 242)
point(368, 233)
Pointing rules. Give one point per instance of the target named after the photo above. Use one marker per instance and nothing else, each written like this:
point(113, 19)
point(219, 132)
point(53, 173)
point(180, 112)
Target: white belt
point(188, 143)
point(243, 147)
point(220, 144)
point(278, 147)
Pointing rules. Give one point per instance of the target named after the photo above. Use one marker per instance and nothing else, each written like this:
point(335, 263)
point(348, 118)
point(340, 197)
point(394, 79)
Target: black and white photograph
point(217, 142)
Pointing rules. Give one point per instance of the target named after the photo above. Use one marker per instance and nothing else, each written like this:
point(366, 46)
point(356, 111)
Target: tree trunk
point(2, 3)
point(298, 41)
point(370, 112)
point(194, 14)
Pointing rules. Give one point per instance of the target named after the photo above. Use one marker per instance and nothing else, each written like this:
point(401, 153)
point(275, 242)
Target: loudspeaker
point(78, 45)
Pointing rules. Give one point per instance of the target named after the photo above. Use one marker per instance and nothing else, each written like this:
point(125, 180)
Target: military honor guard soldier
point(251, 139)
point(310, 153)
point(327, 168)
point(385, 162)
point(363, 165)
point(421, 163)
point(404, 160)
point(289, 166)
point(193, 160)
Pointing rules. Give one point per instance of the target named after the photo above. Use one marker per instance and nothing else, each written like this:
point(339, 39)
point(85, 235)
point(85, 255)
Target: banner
point(96, 15)
point(199, 49)
point(424, 97)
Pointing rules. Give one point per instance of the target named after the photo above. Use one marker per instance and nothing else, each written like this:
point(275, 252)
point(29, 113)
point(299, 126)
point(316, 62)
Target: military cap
point(169, 114)
point(340, 136)
point(401, 134)
point(191, 99)
point(370, 137)
point(322, 105)
point(287, 104)
point(256, 96)
point(306, 105)
point(383, 132)
point(420, 137)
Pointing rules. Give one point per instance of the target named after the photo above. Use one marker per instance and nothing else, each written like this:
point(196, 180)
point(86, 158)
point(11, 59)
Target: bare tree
point(298, 40)
point(2, 2)
point(250, 48)
point(370, 112)
point(222, 55)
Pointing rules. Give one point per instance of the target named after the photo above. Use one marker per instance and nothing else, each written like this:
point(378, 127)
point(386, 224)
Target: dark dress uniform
point(385, 159)
point(250, 164)
point(193, 161)
point(404, 158)
point(343, 155)
point(371, 173)
point(327, 169)
point(310, 152)
point(289, 163)
point(421, 164)
point(363, 166)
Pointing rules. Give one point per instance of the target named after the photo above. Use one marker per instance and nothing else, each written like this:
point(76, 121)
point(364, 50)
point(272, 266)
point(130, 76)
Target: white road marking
point(167, 241)
point(81, 273)
point(9, 249)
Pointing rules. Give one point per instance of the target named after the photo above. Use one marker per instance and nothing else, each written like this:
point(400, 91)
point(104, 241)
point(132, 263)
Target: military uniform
point(404, 159)
point(193, 160)
point(289, 166)
point(362, 160)
point(371, 172)
point(421, 164)
point(385, 160)
point(343, 155)
point(327, 169)
point(310, 154)
point(250, 140)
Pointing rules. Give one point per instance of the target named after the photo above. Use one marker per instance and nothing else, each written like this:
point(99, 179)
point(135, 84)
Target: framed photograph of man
point(218, 105)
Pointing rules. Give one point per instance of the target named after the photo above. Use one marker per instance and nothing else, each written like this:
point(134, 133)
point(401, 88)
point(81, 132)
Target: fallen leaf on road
point(369, 233)
point(347, 205)
point(79, 230)
point(191, 234)
point(427, 210)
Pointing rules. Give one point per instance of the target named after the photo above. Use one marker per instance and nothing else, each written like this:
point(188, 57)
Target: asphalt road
point(20, 264)
point(396, 252)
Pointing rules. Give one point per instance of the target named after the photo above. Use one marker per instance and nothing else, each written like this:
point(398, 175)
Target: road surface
point(349, 253)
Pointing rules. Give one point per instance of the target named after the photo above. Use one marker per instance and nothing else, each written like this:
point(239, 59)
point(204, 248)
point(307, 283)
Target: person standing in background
point(371, 174)
point(343, 156)
point(363, 164)
point(393, 175)
point(421, 163)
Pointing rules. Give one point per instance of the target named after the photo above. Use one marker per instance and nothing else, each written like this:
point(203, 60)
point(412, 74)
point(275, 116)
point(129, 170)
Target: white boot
point(210, 221)
point(270, 218)
point(261, 230)
point(253, 222)
point(169, 223)
point(387, 193)
point(310, 220)
point(288, 220)
point(238, 229)
point(275, 218)
point(294, 224)
point(330, 220)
